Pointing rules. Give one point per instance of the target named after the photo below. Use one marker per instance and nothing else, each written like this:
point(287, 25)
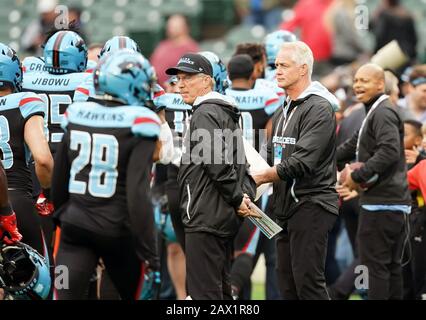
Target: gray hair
point(391, 82)
point(301, 54)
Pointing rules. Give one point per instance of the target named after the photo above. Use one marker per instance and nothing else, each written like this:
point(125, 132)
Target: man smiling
point(379, 144)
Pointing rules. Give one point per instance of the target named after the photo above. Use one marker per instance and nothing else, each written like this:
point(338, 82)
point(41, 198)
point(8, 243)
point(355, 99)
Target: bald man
point(382, 181)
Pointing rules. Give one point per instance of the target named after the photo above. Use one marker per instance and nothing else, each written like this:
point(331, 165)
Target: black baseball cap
point(192, 63)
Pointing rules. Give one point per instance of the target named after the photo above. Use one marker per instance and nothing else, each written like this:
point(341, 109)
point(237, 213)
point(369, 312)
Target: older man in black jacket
point(385, 198)
point(215, 187)
point(304, 175)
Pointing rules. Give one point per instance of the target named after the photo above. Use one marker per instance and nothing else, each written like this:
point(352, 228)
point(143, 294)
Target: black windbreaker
point(308, 165)
point(211, 193)
point(382, 150)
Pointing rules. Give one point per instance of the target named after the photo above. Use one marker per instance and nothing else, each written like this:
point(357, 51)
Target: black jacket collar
point(370, 103)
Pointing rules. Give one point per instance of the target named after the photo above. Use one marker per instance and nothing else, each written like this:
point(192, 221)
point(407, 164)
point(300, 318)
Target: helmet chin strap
point(110, 98)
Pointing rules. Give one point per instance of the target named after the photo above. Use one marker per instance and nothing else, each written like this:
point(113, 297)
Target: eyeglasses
point(187, 78)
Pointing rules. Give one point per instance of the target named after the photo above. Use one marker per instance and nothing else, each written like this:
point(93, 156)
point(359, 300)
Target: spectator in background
point(404, 86)
point(391, 87)
point(74, 18)
point(35, 34)
point(392, 90)
point(392, 21)
point(264, 12)
point(415, 102)
point(415, 270)
point(93, 54)
point(340, 21)
point(257, 52)
point(94, 51)
point(178, 43)
point(309, 18)
point(424, 137)
point(412, 142)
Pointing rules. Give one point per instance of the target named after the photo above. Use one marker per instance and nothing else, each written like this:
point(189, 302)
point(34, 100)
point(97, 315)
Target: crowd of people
point(134, 174)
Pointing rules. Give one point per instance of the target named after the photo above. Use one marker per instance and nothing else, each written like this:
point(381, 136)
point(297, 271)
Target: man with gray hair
point(302, 150)
point(215, 187)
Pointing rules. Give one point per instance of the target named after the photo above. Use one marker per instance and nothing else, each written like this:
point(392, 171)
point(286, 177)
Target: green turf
point(257, 291)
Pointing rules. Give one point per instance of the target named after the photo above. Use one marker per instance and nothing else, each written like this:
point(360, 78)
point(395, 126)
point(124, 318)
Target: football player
point(258, 54)
point(256, 106)
point(65, 56)
point(22, 135)
point(8, 227)
point(273, 43)
point(101, 181)
point(86, 90)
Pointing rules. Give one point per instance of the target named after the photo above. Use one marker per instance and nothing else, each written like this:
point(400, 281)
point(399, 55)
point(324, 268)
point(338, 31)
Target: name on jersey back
point(97, 116)
point(51, 82)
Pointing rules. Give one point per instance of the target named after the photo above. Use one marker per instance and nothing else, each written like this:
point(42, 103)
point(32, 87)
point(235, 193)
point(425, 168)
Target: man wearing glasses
point(213, 180)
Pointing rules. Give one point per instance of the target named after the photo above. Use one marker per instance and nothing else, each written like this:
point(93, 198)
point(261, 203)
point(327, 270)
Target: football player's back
point(22, 135)
point(15, 110)
point(256, 104)
point(102, 179)
point(100, 138)
point(65, 61)
point(86, 90)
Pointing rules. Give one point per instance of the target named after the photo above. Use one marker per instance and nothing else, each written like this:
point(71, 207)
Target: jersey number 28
point(101, 152)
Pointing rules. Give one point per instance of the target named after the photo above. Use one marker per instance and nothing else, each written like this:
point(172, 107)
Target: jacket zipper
point(292, 191)
point(189, 201)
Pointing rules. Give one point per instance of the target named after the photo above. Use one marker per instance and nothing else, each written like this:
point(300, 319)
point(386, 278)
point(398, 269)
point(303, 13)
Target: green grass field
point(258, 292)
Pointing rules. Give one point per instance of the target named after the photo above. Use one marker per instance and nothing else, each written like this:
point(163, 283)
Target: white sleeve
point(167, 148)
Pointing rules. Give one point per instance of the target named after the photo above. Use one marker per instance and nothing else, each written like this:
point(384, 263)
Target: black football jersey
point(15, 110)
point(57, 91)
point(97, 145)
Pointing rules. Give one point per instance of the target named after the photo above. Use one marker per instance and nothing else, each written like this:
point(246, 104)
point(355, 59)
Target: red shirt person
point(309, 18)
point(417, 177)
point(178, 43)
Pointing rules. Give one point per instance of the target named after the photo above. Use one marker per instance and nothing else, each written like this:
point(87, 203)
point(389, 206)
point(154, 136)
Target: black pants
point(332, 271)
point(418, 259)
point(268, 248)
point(172, 191)
point(345, 284)
point(301, 253)
point(245, 244)
point(380, 243)
point(208, 265)
point(79, 252)
point(28, 220)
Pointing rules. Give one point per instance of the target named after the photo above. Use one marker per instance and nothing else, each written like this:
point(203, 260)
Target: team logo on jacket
point(283, 140)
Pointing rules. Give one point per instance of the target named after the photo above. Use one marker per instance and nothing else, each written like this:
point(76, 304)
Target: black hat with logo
point(192, 63)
